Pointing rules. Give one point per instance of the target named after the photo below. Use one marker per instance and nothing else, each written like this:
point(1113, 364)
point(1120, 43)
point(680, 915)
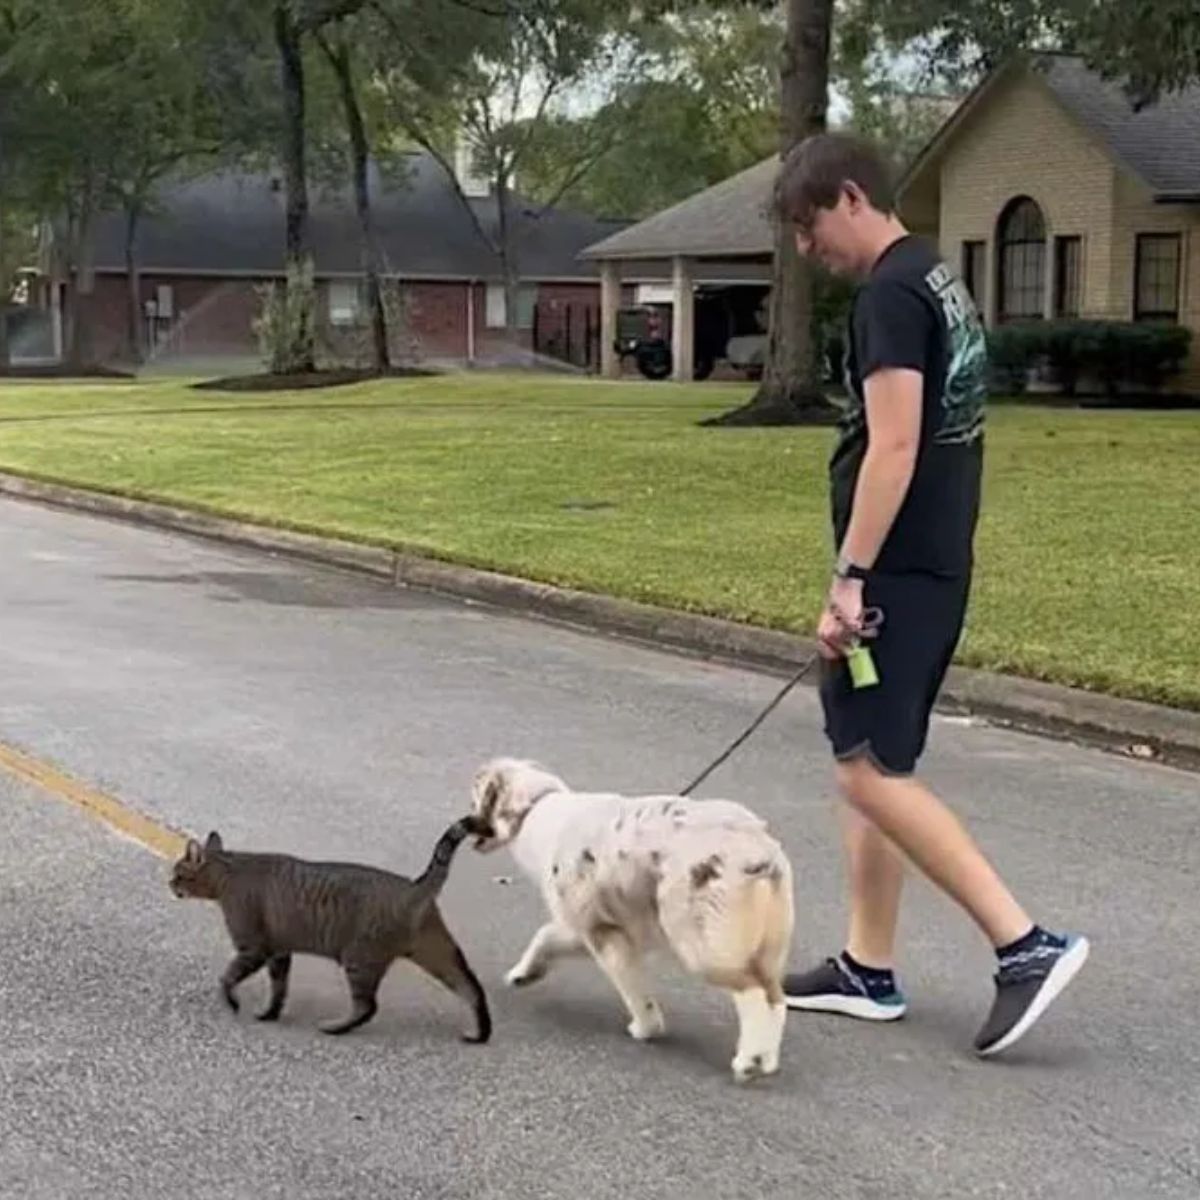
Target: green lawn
point(1088, 570)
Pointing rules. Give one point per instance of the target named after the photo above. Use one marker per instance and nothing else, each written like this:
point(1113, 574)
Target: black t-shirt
point(914, 312)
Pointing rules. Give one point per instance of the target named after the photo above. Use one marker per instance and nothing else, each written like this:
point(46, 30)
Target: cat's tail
point(434, 878)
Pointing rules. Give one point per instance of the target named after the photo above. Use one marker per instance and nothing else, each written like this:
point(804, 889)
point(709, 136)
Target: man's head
point(837, 193)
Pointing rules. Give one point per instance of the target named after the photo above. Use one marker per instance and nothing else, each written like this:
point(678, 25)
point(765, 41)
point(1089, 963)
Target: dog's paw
point(650, 1024)
point(523, 976)
point(754, 1066)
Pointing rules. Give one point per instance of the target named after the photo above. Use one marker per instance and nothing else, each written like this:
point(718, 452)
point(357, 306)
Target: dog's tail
point(763, 918)
point(430, 883)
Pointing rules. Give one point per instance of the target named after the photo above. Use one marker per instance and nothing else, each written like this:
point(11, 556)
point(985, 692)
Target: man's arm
point(893, 399)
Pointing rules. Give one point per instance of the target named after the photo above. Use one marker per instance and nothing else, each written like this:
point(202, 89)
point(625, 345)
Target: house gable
point(1021, 142)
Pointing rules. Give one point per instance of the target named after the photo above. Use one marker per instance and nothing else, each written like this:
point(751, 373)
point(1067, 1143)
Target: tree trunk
point(302, 353)
point(80, 349)
point(790, 392)
point(134, 282)
point(5, 296)
point(509, 263)
point(360, 162)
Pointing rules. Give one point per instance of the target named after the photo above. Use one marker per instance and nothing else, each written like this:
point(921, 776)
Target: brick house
point(1044, 186)
point(211, 243)
point(1055, 197)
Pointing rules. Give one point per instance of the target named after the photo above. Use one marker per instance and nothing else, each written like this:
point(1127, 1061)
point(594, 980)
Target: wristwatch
point(845, 569)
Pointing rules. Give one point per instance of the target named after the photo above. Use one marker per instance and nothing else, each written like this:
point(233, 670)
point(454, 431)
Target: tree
point(111, 99)
point(705, 107)
point(789, 393)
point(1153, 46)
point(494, 88)
point(336, 48)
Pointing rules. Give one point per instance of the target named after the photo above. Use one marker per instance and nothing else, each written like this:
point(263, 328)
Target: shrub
point(1109, 357)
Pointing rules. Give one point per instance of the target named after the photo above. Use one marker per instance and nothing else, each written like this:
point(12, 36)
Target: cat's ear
point(194, 852)
point(214, 845)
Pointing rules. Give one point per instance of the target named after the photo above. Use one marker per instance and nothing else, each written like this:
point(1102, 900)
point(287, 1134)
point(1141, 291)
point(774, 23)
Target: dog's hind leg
point(550, 943)
point(760, 1030)
point(620, 961)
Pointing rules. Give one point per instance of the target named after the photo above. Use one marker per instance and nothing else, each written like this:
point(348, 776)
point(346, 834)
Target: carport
point(720, 235)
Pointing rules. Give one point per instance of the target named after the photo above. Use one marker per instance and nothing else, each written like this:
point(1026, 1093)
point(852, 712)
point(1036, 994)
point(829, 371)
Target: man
point(905, 485)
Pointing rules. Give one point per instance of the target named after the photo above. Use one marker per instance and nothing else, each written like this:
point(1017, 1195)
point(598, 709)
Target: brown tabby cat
point(361, 917)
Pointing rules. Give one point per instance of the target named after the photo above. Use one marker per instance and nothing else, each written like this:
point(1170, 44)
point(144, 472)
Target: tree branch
point(583, 165)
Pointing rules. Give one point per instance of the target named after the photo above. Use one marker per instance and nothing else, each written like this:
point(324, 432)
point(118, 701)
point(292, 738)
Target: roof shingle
point(730, 218)
point(233, 221)
point(1159, 143)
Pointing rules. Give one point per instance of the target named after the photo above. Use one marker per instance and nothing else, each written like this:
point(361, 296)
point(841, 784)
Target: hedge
point(1110, 357)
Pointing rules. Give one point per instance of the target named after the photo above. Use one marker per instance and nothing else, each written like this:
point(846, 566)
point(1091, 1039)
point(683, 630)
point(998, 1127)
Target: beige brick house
point(1056, 198)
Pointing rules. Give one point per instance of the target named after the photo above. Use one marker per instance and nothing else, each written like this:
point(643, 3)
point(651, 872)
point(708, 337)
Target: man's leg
point(878, 734)
point(933, 838)
point(876, 876)
point(860, 982)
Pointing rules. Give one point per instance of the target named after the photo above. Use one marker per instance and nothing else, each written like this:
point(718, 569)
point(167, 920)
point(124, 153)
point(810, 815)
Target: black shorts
point(889, 722)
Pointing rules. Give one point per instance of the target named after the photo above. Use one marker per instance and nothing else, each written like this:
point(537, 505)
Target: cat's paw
point(649, 1024)
point(229, 998)
point(268, 1014)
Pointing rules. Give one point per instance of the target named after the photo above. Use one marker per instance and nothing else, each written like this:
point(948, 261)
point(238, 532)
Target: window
point(1156, 277)
point(1022, 262)
point(974, 270)
point(343, 301)
point(1067, 263)
point(497, 306)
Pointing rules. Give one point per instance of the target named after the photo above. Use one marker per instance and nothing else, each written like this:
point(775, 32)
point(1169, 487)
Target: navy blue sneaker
point(1026, 984)
point(834, 988)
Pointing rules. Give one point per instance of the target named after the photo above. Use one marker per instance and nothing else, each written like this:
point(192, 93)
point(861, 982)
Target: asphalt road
point(307, 711)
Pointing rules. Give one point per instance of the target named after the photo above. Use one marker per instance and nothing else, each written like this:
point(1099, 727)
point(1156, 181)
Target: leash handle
point(762, 716)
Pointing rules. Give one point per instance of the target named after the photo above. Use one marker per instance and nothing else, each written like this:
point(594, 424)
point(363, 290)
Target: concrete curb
point(1132, 727)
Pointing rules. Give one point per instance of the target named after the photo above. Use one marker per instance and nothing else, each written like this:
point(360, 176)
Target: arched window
point(1021, 260)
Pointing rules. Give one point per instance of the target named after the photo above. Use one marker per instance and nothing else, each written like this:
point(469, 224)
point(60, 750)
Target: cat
point(361, 917)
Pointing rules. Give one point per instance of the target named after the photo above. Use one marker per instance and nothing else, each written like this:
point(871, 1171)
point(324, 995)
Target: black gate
point(568, 331)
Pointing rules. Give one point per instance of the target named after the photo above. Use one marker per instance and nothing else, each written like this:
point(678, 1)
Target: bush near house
point(1112, 358)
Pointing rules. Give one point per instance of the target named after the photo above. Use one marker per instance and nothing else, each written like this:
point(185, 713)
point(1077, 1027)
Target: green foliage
point(1112, 357)
point(705, 106)
point(1153, 46)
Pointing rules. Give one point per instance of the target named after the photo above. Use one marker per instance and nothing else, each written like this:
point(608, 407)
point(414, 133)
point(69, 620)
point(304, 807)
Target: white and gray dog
point(623, 875)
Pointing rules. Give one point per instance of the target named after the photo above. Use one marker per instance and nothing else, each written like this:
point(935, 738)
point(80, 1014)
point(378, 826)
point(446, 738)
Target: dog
point(625, 875)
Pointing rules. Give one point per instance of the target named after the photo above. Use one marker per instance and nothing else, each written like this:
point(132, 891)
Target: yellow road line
point(156, 837)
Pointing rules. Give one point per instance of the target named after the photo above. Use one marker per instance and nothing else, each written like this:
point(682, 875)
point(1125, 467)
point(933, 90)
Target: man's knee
point(862, 781)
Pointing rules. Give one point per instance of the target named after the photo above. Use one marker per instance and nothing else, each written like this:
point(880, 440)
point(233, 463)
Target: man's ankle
point(876, 981)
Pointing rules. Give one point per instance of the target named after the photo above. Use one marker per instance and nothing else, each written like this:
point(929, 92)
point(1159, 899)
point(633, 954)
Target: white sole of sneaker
point(1060, 975)
point(862, 1007)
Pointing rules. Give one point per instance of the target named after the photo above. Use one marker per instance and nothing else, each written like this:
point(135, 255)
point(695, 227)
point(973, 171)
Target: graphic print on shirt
point(964, 393)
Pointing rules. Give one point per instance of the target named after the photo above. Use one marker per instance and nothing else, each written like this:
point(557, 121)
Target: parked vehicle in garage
point(730, 324)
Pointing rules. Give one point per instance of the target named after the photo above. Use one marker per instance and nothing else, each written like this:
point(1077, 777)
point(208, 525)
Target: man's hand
point(841, 618)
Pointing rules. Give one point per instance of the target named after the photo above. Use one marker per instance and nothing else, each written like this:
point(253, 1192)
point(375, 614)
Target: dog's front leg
point(619, 959)
point(551, 942)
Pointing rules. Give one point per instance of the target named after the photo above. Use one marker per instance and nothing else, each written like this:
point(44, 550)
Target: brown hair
point(816, 170)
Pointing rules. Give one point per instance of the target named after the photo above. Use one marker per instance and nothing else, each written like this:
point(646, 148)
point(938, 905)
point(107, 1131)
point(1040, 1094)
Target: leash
point(762, 716)
point(872, 619)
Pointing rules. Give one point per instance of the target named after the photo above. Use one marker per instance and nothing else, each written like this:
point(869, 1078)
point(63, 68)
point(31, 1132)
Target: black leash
point(762, 716)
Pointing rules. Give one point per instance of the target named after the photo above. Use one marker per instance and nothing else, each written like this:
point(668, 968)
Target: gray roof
point(1159, 143)
point(730, 218)
point(232, 222)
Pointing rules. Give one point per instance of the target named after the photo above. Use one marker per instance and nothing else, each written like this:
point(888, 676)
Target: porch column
point(610, 301)
point(682, 320)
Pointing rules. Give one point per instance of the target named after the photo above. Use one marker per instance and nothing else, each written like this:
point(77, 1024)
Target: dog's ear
point(214, 845)
point(194, 853)
point(488, 788)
